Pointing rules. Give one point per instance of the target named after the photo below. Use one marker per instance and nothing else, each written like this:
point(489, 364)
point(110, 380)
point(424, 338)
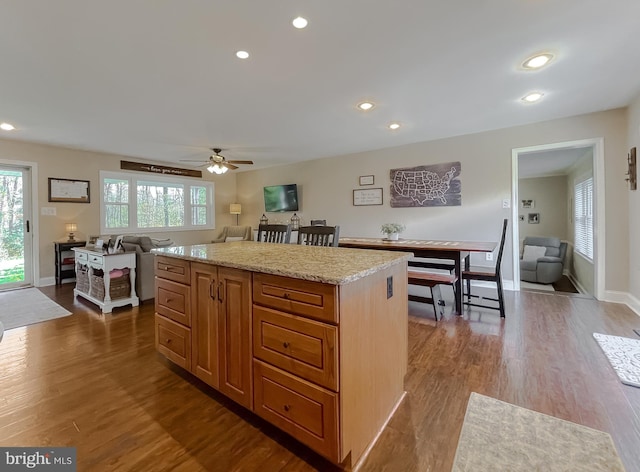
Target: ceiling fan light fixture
point(217, 168)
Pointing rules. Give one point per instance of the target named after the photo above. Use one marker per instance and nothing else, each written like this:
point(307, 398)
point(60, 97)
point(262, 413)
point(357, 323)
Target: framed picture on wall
point(528, 204)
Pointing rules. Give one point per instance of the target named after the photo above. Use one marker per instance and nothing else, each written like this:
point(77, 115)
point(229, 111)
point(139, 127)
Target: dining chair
point(318, 222)
point(319, 235)
point(494, 275)
point(274, 233)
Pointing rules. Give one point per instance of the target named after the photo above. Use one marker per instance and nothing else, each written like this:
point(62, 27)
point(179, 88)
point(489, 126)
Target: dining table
point(425, 250)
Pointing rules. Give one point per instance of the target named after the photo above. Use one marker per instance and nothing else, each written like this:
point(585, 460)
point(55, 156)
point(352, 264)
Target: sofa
point(234, 233)
point(542, 259)
point(145, 270)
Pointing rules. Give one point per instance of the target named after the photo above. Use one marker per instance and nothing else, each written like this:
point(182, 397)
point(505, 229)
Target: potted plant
point(392, 230)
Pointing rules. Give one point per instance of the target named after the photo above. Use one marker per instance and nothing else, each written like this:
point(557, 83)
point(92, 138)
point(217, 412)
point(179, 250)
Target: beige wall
point(65, 163)
point(550, 197)
point(634, 201)
point(326, 186)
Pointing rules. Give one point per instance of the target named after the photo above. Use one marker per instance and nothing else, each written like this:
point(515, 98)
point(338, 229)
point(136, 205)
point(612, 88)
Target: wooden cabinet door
point(235, 335)
point(205, 336)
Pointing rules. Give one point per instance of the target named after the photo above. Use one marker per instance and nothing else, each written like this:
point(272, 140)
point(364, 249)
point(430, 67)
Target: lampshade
point(71, 228)
point(235, 209)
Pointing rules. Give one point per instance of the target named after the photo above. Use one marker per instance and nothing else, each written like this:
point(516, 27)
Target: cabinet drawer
point(298, 345)
point(169, 268)
point(173, 300)
point(96, 261)
point(82, 257)
point(308, 412)
point(301, 297)
point(173, 341)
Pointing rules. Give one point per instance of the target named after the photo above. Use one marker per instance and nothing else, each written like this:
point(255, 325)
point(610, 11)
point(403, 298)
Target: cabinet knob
point(168, 341)
point(285, 344)
point(287, 407)
point(286, 295)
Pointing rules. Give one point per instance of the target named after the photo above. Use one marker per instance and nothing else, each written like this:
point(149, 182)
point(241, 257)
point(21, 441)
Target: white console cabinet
point(93, 280)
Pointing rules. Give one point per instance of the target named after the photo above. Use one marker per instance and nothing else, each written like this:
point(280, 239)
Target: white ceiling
point(159, 79)
point(551, 162)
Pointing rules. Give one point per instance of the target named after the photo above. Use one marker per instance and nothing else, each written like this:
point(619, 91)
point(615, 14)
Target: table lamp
point(71, 228)
point(236, 209)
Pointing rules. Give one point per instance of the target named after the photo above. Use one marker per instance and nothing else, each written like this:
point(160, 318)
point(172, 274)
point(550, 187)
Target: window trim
point(134, 178)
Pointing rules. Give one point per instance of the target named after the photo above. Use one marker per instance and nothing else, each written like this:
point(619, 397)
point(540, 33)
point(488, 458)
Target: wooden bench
point(433, 281)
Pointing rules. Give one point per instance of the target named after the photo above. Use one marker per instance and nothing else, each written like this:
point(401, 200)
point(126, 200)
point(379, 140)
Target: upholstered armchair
point(234, 233)
point(542, 260)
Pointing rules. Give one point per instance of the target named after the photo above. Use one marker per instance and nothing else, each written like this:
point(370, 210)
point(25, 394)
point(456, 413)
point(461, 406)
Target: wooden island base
point(324, 361)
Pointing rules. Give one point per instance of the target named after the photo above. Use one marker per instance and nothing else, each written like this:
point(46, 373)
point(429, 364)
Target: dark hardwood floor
point(95, 382)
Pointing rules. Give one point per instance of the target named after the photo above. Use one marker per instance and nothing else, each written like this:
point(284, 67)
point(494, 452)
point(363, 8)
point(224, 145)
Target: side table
point(65, 260)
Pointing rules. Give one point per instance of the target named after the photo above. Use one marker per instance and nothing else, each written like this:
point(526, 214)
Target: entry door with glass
point(15, 232)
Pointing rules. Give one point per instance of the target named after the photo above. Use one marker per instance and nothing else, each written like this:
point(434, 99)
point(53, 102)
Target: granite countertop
point(332, 265)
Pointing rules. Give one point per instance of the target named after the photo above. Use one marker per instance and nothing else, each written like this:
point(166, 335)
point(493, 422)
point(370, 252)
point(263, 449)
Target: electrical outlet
point(506, 203)
point(489, 256)
point(48, 211)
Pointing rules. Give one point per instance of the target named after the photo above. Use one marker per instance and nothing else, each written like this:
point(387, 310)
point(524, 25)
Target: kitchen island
point(312, 339)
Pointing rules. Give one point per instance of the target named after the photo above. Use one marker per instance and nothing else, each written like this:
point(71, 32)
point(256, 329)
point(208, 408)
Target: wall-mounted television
point(281, 198)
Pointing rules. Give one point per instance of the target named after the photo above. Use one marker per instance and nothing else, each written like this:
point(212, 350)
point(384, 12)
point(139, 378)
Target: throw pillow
point(533, 253)
point(228, 239)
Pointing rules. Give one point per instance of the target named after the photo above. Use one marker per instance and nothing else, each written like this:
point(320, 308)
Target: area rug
point(500, 436)
point(623, 355)
point(27, 306)
point(531, 286)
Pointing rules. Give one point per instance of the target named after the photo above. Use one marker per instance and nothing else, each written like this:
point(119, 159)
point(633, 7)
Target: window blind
point(583, 217)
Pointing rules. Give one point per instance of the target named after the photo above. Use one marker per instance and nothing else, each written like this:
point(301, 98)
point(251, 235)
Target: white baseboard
point(45, 281)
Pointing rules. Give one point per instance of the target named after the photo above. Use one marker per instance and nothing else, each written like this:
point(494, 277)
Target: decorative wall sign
point(67, 190)
point(139, 166)
point(366, 180)
point(426, 186)
point(528, 204)
point(367, 196)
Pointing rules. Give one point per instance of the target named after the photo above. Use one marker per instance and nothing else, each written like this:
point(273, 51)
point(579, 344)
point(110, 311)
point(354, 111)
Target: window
point(583, 216)
point(131, 202)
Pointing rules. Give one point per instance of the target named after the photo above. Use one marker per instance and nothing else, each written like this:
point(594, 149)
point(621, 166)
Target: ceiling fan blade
point(240, 162)
point(230, 166)
point(189, 160)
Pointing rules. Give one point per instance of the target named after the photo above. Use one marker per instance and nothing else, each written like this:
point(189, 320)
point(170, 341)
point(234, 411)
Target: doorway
point(562, 159)
point(16, 230)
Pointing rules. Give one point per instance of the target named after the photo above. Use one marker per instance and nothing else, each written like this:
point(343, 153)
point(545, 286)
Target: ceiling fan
point(218, 164)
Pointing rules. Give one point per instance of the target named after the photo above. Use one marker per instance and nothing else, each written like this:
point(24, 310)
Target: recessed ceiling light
point(537, 61)
point(7, 126)
point(242, 54)
point(300, 22)
point(394, 125)
point(533, 97)
point(365, 106)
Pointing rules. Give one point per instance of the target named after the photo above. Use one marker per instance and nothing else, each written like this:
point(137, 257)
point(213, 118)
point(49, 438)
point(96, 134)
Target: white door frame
point(599, 218)
point(34, 231)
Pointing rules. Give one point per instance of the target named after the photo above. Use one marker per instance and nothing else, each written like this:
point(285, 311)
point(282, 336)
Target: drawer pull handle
point(287, 407)
point(286, 295)
point(169, 300)
point(168, 341)
point(285, 344)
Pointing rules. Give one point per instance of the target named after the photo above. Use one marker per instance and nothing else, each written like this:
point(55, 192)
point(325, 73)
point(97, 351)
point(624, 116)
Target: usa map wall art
point(426, 186)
